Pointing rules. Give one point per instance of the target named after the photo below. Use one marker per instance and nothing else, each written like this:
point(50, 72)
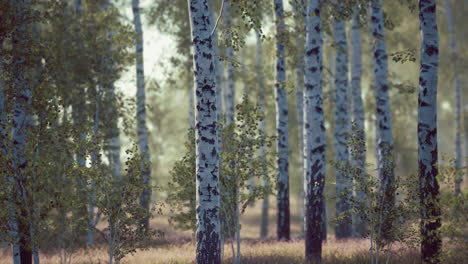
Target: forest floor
point(178, 247)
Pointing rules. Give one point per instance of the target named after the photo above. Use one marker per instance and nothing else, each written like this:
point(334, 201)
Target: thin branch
point(219, 17)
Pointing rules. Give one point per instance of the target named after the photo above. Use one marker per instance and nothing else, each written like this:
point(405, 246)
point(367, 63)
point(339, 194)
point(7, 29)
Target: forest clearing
point(233, 131)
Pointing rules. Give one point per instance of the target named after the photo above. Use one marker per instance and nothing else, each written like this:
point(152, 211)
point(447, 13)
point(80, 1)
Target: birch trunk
point(343, 228)
point(113, 143)
point(94, 164)
point(314, 135)
point(191, 99)
point(10, 189)
point(191, 95)
point(427, 134)
point(299, 8)
point(230, 94)
point(384, 134)
point(458, 95)
point(262, 151)
point(142, 129)
point(358, 153)
point(79, 105)
point(207, 152)
point(79, 122)
point(283, 228)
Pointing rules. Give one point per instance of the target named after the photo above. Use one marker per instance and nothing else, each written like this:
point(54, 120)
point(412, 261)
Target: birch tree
point(358, 153)
point(431, 243)
point(299, 8)
point(113, 146)
point(207, 166)
point(230, 92)
point(343, 180)
point(262, 151)
point(458, 95)
point(79, 117)
point(314, 134)
point(142, 129)
point(283, 224)
point(384, 134)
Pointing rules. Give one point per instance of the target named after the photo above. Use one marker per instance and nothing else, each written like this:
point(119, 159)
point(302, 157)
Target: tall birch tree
point(283, 221)
point(113, 145)
point(262, 150)
point(207, 151)
point(384, 134)
point(230, 91)
point(142, 129)
point(343, 228)
point(299, 8)
point(358, 152)
point(431, 243)
point(314, 134)
point(458, 95)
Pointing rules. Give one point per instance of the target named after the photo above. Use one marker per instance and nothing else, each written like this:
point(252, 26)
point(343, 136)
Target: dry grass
point(178, 247)
point(268, 252)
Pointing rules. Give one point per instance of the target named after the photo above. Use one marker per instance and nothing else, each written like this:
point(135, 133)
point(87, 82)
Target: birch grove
point(89, 88)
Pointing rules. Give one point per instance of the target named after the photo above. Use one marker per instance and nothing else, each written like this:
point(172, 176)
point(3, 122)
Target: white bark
point(299, 8)
point(342, 127)
point(314, 135)
point(458, 95)
point(427, 134)
point(191, 99)
point(283, 228)
point(262, 151)
point(95, 161)
point(358, 153)
point(142, 129)
point(384, 134)
point(113, 143)
point(230, 92)
point(219, 77)
point(207, 152)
